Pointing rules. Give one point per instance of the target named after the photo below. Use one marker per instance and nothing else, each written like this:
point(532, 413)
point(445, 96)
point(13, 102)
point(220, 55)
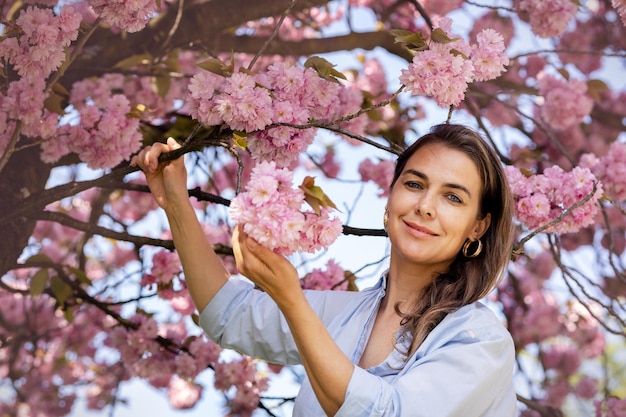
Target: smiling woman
point(418, 343)
point(449, 191)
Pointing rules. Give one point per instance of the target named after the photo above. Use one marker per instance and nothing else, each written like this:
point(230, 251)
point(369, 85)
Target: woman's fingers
point(248, 263)
point(269, 270)
point(148, 158)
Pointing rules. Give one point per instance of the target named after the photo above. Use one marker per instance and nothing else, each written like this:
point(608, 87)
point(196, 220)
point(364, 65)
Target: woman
point(418, 343)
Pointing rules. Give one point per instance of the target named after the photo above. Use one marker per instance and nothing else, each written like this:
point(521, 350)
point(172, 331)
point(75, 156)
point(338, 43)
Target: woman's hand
point(168, 180)
point(270, 271)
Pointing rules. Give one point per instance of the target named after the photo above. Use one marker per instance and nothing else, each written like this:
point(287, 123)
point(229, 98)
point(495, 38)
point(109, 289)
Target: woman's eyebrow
point(423, 176)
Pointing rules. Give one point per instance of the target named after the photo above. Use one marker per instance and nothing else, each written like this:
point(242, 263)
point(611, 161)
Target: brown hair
point(468, 279)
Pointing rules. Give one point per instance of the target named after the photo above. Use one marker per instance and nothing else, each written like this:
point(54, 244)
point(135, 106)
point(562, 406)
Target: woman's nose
point(425, 206)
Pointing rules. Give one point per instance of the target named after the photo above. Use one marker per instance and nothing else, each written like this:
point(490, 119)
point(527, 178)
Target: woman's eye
point(413, 184)
point(454, 198)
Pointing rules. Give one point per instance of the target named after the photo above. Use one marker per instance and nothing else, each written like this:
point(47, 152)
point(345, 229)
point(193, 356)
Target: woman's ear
point(481, 226)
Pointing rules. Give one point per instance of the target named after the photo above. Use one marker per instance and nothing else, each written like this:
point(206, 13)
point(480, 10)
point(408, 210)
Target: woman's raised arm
point(204, 272)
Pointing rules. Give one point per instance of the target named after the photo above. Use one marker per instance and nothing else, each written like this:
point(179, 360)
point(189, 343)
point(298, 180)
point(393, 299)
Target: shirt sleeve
point(469, 375)
point(247, 320)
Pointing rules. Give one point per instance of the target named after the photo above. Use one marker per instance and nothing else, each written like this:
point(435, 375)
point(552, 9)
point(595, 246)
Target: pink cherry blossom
point(183, 394)
point(444, 70)
point(271, 213)
point(437, 73)
point(488, 55)
point(549, 18)
point(587, 387)
point(562, 358)
point(566, 102)
point(541, 199)
point(610, 169)
point(129, 15)
point(39, 49)
point(380, 173)
point(611, 407)
point(332, 278)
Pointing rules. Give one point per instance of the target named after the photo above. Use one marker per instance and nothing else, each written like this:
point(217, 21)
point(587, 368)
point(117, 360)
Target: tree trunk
point(24, 175)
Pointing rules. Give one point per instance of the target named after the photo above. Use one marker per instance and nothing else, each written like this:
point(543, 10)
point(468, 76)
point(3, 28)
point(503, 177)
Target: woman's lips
point(421, 229)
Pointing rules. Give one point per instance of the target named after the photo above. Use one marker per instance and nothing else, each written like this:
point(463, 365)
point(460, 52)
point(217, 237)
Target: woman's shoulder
point(472, 323)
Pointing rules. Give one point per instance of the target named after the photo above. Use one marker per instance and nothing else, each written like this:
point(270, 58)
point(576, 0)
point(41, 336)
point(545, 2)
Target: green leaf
point(349, 275)
point(62, 292)
point(440, 36)
point(80, 275)
point(17, 5)
point(40, 257)
point(215, 66)
point(239, 139)
point(315, 196)
point(595, 87)
point(38, 282)
point(415, 39)
point(564, 73)
point(136, 112)
point(161, 85)
point(456, 52)
point(68, 313)
point(54, 103)
point(133, 61)
point(324, 68)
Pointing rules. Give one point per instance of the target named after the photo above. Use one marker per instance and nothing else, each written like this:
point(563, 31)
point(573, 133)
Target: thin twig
point(422, 12)
point(175, 26)
point(273, 35)
point(11, 146)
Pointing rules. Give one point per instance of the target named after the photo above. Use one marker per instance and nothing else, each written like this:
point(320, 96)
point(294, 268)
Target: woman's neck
point(405, 285)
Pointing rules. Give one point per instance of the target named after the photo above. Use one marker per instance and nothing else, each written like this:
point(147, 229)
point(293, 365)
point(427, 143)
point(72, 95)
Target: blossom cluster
point(103, 139)
point(332, 278)
point(270, 211)
point(380, 173)
point(610, 169)
point(612, 407)
point(242, 375)
point(142, 356)
point(444, 70)
point(128, 15)
point(283, 94)
point(294, 28)
point(548, 18)
point(543, 198)
point(40, 46)
point(165, 265)
point(35, 47)
point(46, 366)
point(569, 337)
point(565, 102)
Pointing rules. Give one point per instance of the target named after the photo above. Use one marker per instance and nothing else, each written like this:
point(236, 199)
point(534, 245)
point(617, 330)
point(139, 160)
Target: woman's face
point(434, 207)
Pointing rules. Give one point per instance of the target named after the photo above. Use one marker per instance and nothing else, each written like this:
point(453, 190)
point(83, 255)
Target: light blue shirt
point(464, 368)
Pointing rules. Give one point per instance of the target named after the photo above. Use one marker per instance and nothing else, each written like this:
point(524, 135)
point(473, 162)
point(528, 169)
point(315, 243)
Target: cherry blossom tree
point(276, 102)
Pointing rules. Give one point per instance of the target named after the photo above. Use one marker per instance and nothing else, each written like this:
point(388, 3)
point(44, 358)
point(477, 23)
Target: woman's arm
point(204, 272)
point(328, 369)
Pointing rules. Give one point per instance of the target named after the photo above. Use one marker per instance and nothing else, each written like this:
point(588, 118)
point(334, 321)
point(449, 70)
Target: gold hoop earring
point(478, 250)
point(386, 219)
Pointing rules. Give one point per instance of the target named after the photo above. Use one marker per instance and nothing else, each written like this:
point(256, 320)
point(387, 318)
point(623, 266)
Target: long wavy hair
point(468, 279)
